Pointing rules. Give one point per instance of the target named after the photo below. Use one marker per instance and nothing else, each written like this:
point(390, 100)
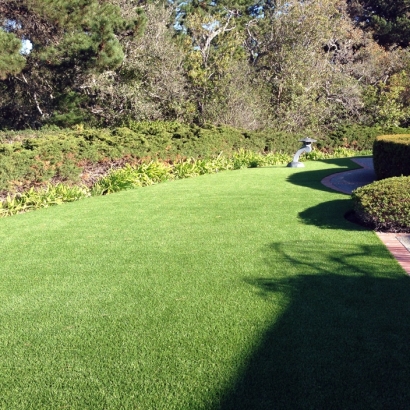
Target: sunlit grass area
point(238, 290)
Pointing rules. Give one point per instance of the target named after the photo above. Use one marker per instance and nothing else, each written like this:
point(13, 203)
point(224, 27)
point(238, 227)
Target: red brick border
point(396, 248)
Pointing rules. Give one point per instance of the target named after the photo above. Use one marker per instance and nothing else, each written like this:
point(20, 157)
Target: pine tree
point(388, 20)
point(11, 61)
point(70, 38)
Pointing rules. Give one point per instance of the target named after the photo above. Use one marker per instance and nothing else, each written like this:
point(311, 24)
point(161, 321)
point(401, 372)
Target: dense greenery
point(70, 39)
point(148, 173)
point(391, 155)
point(389, 21)
point(30, 159)
point(286, 65)
point(384, 205)
point(42, 198)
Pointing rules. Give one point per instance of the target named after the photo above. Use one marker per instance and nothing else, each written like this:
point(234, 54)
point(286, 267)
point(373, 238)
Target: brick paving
point(346, 182)
point(396, 248)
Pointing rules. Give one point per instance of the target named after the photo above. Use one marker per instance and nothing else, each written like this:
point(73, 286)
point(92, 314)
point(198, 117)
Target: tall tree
point(388, 20)
point(70, 38)
point(151, 82)
point(11, 60)
point(301, 50)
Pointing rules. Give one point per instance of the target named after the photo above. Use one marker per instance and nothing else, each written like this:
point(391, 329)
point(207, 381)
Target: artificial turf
point(241, 290)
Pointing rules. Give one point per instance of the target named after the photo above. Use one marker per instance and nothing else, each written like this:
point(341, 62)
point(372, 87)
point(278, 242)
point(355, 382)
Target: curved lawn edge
point(134, 176)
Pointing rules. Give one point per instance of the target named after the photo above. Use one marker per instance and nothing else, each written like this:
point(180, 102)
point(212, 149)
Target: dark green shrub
point(358, 137)
point(274, 141)
point(354, 136)
point(391, 155)
point(384, 205)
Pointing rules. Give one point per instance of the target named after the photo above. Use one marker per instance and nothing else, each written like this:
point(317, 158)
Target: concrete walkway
point(347, 181)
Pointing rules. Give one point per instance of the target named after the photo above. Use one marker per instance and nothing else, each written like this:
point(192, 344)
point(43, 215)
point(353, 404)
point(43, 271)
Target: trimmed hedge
point(33, 158)
point(358, 137)
point(391, 156)
point(384, 205)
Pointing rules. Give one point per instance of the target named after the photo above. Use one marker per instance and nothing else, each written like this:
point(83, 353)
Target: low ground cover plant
point(138, 175)
point(42, 198)
point(131, 176)
point(384, 205)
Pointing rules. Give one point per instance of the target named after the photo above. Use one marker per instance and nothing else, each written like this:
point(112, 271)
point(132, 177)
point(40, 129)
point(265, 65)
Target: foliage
point(385, 204)
point(250, 159)
point(301, 50)
point(71, 33)
point(292, 66)
point(387, 20)
point(130, 177)
point(391, 155)
point(149, 173)
point(11, 61)
point(385, 101)
point(213, 48)
point(145, 174)
point(359, 137)
point(31, 158)
point(70, 39)
point(41, 198)
point(341, 152)
point(151, 83)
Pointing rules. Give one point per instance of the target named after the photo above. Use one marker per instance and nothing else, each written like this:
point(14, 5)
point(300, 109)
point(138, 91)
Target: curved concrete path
point(347, 181)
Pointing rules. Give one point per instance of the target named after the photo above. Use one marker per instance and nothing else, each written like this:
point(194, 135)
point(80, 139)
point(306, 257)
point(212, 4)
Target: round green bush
point(384, 205)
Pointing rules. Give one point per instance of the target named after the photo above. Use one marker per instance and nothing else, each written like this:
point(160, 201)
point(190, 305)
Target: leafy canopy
point(389, 20)
point(11, 61)
point(82, 33)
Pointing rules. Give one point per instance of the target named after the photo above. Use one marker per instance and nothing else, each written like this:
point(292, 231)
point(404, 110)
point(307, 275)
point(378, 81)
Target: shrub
point(34, 158)
point(142, 174)
point(131, 176)
point(246, 159)
point(358, 137)
point(384, 205)
point(353, 136)
point(316, 155)
point(276, 158)
point(391, 155)
point(42, 198)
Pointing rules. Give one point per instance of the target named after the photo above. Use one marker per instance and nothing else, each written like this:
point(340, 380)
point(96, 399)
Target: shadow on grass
point(326, 215)
point(330, 215)
point(342, 341)
point(312, 179)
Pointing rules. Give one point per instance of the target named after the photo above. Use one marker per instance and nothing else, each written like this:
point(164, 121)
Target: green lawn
point(240, 290)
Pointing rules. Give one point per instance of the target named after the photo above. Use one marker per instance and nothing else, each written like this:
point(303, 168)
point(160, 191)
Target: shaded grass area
point(340, 344)
point(236, 290)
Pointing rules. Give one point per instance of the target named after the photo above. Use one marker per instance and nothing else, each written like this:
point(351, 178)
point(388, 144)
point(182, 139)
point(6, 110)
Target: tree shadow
point(312, 179)
point(329, 215)
point(342, 341)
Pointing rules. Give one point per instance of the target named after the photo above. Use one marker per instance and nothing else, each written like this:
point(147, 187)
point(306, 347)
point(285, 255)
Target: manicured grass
point(241, 290)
